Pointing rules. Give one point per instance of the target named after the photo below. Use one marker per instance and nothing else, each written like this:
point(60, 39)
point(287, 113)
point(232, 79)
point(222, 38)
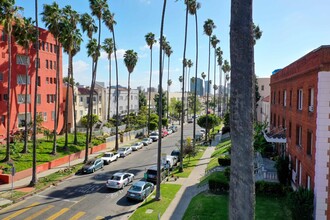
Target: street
point(86, 196)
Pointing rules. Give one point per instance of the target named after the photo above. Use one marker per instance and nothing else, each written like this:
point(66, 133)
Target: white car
point(170, 131)
point(124, 151)
point(154, 136)
point(109, 157)
point(146, 141)
point(137, 146)
point(120, 180)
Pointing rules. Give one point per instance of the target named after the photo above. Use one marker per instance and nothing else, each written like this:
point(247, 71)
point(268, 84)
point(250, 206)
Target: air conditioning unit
point(311, 108)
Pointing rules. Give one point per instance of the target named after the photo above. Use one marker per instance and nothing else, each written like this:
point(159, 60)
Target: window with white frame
point(45, 116)
point(53, 115)
point(284, 98)
point(311, 99)
point(308, 185)
point(300, 99)
point(21, 98)
point(299, 135)
point(21, 79)
point(309, 143)
point(81, 113)
point(39, 99)
point(22, 60)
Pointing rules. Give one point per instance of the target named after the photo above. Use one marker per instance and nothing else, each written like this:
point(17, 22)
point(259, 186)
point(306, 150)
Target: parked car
point(170, 161)
point(140, 190)
point(109, 157)
point(124, 151)
point(164, 133)
point(202, 131)
point(174, 128)
point(120, 180)
point(170, 131)
point(176, 153)
point(92, 165)
point(137, 146)
point(190, 120)
point(146, 141)
point(152, 174)
point(154, 136)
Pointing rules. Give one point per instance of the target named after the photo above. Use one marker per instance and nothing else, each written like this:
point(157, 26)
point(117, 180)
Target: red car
point(164, 133)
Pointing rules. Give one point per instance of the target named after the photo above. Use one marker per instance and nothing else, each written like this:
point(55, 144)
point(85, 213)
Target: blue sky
point(290, 30)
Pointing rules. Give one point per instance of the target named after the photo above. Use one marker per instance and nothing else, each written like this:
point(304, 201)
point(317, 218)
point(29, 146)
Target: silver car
point(140, 190)
point(120, 180)
point(146, 141)
point(124, 151)
point(137, 146)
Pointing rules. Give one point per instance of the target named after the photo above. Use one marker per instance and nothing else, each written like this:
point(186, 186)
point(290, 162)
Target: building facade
point(262, 109)
point(300, 106)
point(46, 83)
point(200, 88)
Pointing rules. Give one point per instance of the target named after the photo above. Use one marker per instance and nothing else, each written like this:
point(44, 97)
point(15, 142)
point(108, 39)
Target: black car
point(176, 153)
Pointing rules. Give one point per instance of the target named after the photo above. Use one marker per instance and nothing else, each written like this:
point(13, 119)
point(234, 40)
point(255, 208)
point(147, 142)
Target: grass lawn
point(214, 175)
point(222, 148)
point(210, 206)
point(168, 192)
point(189, 164)
point(44, 149)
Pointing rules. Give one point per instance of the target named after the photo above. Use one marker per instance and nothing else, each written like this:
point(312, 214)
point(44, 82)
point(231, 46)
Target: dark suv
point(152, 174)
point(176, 153)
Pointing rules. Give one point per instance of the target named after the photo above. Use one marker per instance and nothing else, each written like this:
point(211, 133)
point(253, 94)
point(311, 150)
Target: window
point(21, 98)
point(283, 123)
point(308, 185)
point(2, 119)
point(5, 97)
point(45, 116)
point(94, 99)
point(53, 115)
point(300, 99)
point(1, 76)
point(21, 119)
point(298, 135)
point(284, 98)
point(39, 99)
point(47, 64)
point(21, 79)
point(262, 87)
point(39, 81)
point(94, 111)
point(54, 81)
point(51, 64)
point(55, 65)
point(43, 45)
point(47, 47)
point(81, 99)
point(279, 97)
point(309, 143)
point(290, 102)
point(22, 60)
point(51, 48)
point(81, 113)
point(3, 36)
point(311, 99)
point(274, 121)
point(87, 100)
point(47, 80)
point(38, 62)
point(290, 126)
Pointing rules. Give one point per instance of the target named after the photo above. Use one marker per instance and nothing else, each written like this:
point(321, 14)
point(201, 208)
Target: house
point(263, 108)
point(300, 123)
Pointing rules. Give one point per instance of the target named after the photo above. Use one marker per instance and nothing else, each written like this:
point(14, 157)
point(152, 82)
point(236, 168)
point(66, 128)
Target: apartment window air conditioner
point(310, 108)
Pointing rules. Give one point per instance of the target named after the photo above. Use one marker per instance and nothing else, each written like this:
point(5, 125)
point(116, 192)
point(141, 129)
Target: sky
point(290, 29)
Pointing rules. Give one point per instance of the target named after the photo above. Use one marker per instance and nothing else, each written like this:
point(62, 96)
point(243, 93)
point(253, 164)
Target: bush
point(218, 185)
point(270, 188)
point(283, 171)
point(225, 129)
point(300, 203)
point(227, 173)
point(224, 160)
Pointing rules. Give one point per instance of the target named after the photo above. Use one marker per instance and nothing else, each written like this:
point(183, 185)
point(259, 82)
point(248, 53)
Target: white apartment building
point(263, 109)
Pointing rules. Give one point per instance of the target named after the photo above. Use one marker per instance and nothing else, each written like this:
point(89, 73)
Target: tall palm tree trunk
point(215, 72)
point(149, 91)
point(67, 103)
point(128, 98)
point(34, 135)
point(208, 89)
point(25, 147)
point(75, 141)
point(9, 99)
point(57, 94)
point(117, 88)
point(242, 195)
point(168, 87)
point(220, 92)
point(109, 97)
point(187, 93)
point(195, 89)
point(159, 150)
point(183, 83)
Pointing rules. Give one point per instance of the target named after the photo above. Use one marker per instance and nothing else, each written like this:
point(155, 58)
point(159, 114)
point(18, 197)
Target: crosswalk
point(36, 211)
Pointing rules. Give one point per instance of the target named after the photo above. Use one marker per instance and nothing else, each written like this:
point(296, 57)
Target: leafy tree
point(283, 171)
point(178, 109)
point(260, 142)
point(84, 120)
point(164, 103)
point(142, 99)
point(189, 148)
point(208, 121)
point(226, 120)
point(165, 122)
point(141, 119)
point(301, 204)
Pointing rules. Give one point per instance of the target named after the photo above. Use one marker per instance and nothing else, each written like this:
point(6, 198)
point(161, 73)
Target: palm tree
point(169, 83)
point(208, 29)
point(71, 39)
point(214, 42)
point(7, 17)
point(225, 69)
point(130, 60)
point(159, 150)
point(241, 196)
point(34, 135)
point(108, 48)
point(52, 18)
point(168, 52)
point(189, 65)
point(203, 75)
point(219, 61)
point(24, 33)
point(109, 22)
point(150, 39)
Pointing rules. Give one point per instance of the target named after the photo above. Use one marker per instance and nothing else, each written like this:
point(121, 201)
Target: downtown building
point(46, 83)
point(300, 123)
point(200, 88)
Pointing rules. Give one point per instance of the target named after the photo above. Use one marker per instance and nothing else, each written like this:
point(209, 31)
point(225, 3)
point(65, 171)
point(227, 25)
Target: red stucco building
point(47, 79)
point(300, 107)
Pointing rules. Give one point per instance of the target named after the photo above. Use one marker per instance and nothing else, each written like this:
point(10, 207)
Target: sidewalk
point(189, 187)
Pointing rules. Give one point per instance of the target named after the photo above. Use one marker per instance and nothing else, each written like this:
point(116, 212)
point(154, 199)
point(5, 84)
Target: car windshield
point(107, 155)
point(145, 139)
point(90, 162)
point(136, 144)
point(153, 134)
point(136, 188)
point(152, 172)
point(121, 149)
point(115, 178)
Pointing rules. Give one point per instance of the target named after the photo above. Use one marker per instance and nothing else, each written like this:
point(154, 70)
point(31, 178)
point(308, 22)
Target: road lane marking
point(99, 218)
point(21, 211)
point(50, 197)
point(77, 216)
point(39, 212)
point(57, 214)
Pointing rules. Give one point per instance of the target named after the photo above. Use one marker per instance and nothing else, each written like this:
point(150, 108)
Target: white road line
point(50, 197)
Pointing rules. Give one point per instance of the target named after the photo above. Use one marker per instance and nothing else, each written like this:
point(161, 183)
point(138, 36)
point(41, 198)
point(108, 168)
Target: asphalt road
point(86, 196)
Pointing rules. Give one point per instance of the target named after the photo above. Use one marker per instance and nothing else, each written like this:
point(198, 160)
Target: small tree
point(84, 122)
point(164, 122)
point(189, 149)
point(208, 121)
point(283, 172)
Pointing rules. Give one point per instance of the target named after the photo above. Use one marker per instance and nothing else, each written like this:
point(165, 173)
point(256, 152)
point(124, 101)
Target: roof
point(266, 99)
point(84, 91)
point(278, 137)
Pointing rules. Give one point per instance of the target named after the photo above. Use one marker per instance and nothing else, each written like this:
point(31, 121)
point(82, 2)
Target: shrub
point(224, 160)
point(225, 129)
point(300, 203)
point(270, 188)
point(217, 185)
point(283, 171)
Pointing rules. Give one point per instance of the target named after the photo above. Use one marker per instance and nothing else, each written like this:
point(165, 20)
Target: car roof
point(154, 167)
point(118, 174)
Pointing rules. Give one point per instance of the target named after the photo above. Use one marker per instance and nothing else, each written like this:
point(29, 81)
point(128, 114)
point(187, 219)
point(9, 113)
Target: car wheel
point(93, 170)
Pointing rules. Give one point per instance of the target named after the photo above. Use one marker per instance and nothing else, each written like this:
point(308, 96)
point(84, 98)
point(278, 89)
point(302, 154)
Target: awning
point(278, 137)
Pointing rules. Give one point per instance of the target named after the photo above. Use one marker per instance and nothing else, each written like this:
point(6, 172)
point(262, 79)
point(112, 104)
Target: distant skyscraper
point(199, 86)
point(207, 87)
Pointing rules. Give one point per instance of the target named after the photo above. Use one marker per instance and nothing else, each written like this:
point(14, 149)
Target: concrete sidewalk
point(189, 187)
